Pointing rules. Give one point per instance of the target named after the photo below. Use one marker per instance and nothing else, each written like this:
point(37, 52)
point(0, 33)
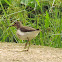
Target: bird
point(25, 32)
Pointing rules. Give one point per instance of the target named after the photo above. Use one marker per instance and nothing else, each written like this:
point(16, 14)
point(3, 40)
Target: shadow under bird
point(25, 32)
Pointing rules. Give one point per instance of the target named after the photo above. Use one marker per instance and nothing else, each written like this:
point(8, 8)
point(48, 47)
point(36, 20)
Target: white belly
point(27, 35)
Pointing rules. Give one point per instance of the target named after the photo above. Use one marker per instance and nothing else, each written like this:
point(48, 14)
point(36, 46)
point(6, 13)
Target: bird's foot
point(25, 50)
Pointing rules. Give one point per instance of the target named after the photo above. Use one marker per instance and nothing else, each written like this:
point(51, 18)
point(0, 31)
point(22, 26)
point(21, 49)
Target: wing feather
point(27, 29)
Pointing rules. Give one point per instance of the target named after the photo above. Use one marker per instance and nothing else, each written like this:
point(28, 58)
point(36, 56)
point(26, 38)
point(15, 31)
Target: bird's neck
point(19, 26)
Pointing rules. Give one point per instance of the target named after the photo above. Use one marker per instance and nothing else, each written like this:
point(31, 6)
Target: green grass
point(49, 22)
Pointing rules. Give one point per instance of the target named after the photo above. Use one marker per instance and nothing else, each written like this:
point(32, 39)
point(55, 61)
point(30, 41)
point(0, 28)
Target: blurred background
point(43, 14)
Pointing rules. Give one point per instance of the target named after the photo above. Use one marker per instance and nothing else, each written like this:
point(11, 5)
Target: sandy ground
point(12, 52)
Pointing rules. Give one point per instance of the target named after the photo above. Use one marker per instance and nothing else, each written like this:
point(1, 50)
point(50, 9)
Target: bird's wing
point(27, 29)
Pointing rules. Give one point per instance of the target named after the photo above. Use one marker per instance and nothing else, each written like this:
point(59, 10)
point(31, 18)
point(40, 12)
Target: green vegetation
point(43, 14)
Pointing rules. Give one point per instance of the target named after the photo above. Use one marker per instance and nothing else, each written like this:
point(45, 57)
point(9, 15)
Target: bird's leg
point(26, 45)
point(29, 43)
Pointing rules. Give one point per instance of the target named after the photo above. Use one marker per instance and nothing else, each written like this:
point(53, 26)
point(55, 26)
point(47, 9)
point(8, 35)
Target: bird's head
point(17, 24)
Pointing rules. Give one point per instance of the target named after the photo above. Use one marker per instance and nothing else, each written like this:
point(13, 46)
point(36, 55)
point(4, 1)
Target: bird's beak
point(12, 24)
